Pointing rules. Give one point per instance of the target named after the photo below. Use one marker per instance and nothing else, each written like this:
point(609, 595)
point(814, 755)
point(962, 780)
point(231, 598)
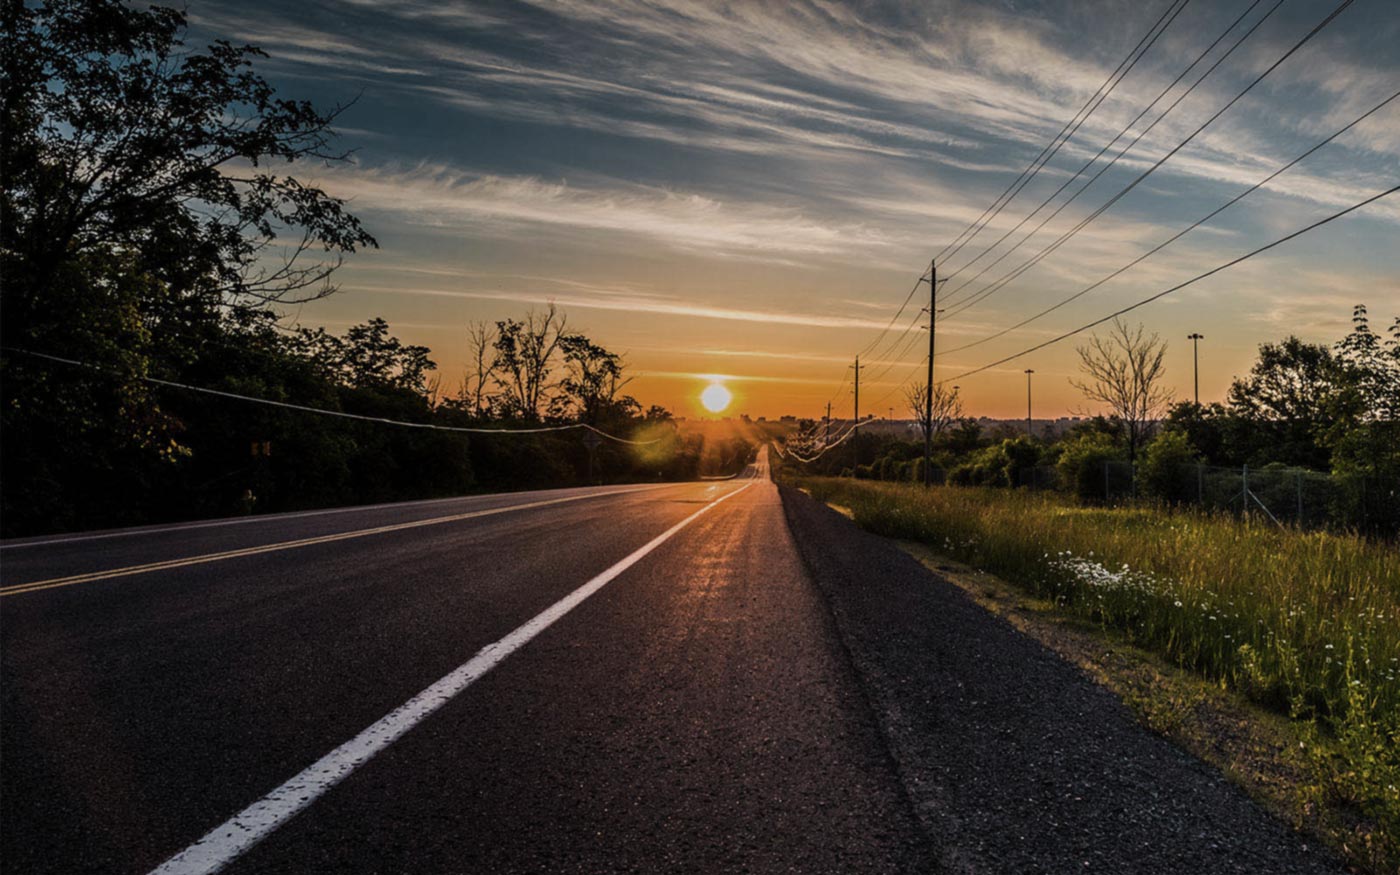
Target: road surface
point(681, 677)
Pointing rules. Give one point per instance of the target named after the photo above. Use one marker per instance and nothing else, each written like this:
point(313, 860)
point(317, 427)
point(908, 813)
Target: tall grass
point(1304, 622)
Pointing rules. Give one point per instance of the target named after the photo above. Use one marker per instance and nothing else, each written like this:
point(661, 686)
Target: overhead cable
point(1231, 263)
point(339, 413)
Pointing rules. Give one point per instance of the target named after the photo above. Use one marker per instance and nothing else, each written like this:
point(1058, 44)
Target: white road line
point(276, 517)
point(226, 842)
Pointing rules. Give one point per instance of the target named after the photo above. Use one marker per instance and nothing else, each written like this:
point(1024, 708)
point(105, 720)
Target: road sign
point(591, 440)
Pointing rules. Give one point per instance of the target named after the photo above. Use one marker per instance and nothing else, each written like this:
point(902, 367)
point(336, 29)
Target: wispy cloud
point(633, 302)
point(492, 204)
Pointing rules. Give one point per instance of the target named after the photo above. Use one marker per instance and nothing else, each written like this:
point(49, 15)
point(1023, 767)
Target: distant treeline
point(149, 231)
point(85, 448)
point(1312, 432)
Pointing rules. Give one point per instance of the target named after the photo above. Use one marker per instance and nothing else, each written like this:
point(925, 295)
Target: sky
point(751, 190)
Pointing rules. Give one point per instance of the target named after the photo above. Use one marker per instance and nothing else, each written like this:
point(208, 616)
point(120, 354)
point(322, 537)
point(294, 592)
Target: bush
point(1166, 466)
point(1084, 464)
point(998, 465)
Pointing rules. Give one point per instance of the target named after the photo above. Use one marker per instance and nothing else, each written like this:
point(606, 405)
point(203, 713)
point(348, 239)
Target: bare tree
point(1123, 369)
point(947, 407)
point(481, 368)
point(526, 353)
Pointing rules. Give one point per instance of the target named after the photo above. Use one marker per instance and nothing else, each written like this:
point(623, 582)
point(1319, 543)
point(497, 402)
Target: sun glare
point(716, 397)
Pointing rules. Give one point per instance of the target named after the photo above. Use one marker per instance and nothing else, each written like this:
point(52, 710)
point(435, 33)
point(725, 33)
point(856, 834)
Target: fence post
point(1298, 475)
point(1105, 482)
point(1200, 485)
point(1244, 490)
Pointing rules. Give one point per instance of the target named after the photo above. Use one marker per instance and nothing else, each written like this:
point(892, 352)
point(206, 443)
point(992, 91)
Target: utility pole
point(857, 367)
point(928, 389)
point(1196, 339)
point(1029, 433)
point(826, 437)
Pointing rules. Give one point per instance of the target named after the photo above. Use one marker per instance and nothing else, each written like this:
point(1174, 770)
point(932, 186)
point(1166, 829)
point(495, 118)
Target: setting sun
point(716, 397)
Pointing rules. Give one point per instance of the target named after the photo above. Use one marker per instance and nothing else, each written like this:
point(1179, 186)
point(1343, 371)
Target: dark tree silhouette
point(139, 229)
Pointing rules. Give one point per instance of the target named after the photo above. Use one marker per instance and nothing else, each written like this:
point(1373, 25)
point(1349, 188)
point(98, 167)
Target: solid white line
point(226, 842)
point(275, 517)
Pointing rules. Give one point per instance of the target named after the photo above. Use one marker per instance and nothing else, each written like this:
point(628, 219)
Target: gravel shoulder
point(1016, 760)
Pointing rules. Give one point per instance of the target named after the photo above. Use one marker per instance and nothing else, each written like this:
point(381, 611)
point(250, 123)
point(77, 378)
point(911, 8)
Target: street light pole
point(1029, 432)
point(1196, 339)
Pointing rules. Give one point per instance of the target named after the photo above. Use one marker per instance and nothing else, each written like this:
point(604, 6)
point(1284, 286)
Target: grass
point(1303, 623)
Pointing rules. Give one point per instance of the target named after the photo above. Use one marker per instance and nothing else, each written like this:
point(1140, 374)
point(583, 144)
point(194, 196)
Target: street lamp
point(1196, 339)
point(1029, 433)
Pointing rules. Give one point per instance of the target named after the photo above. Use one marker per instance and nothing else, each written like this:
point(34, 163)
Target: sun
point(716, 397)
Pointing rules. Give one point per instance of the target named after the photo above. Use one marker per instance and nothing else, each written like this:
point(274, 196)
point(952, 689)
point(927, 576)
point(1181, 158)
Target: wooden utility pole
point(857, 367)
point(928, 389)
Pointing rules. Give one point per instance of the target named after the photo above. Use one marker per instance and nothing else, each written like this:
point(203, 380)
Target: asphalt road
point(695, 713)
point(618, 679)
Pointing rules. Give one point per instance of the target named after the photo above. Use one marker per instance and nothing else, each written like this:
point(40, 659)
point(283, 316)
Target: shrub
point(997, 465)
point(1166, 467)
point(1084, 462)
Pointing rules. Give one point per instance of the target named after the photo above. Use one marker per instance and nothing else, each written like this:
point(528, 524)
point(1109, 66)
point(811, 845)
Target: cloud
point(636, 302)
point(492, 204)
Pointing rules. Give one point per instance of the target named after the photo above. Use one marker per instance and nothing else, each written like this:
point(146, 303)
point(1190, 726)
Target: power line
point(1047, 152)
point(1126, 128)
point(1016, 272)
point(828, 446)
point(907, 298)
point(339, 413)
point(1178, 235)
point(1179, 286)
point(976, 297)
point(913, 369)
point(890, 361)
point(1038, 163)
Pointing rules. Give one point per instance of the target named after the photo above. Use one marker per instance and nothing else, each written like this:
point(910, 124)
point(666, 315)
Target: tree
point(367, 357)
point(1374, 366)
point(118, 139)
point(139, 224)
point(1294, 393)
point(526, 353)
point(947, 407)
point(481, 369)
point(1124, 370)
point(594, 379)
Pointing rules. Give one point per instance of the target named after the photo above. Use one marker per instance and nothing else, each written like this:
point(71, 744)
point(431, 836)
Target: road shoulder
point(1016, 759)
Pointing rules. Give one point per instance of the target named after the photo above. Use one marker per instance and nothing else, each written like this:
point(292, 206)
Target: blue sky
point(750, 189)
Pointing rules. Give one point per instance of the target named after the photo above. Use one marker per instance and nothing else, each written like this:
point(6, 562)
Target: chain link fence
point(1293, 496)
point(1286, 496)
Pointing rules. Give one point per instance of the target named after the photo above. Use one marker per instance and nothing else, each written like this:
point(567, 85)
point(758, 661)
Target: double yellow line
point(89, 577)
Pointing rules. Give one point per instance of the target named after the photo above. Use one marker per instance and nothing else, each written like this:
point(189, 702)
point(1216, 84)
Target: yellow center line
point(89, 577)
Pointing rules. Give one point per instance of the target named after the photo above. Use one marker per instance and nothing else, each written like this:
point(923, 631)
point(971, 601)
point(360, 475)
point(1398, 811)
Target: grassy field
point(1303, 623)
